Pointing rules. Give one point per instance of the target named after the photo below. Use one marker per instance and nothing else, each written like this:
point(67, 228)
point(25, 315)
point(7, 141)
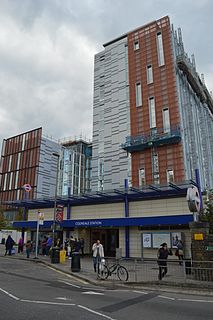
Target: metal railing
point(178, 271)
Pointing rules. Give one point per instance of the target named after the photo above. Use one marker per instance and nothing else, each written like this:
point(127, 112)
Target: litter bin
point(3, 241)
point(62, 256)
point(75, 262)
point(55, 255)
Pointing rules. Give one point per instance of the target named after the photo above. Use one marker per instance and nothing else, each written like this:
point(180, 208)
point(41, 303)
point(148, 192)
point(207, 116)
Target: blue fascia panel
point(32, 224)
point(114, 222)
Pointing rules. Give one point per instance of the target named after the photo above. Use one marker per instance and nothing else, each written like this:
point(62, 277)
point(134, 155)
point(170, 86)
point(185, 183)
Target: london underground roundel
point(193, 198)
point(27, 187)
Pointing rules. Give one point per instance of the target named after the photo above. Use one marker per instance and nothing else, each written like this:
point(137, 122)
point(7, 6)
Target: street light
point(55, 198)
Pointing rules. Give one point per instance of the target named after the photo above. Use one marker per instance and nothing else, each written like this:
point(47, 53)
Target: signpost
point(40, 221)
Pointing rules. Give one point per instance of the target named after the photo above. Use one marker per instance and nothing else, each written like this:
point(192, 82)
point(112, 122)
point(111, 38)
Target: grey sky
point(47, 49)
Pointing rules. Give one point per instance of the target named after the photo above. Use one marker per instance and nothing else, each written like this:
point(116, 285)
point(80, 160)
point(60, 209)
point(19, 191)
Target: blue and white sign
point(88, 223)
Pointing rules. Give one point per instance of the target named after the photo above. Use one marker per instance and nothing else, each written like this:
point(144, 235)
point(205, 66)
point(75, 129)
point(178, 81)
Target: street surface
point(31, 290)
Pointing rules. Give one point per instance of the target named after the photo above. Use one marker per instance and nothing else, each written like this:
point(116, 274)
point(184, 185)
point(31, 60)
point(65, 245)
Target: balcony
point(156, 138)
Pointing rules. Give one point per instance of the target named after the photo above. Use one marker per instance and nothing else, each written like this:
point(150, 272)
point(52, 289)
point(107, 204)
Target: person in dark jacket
point(163, 254)
point(9, 245)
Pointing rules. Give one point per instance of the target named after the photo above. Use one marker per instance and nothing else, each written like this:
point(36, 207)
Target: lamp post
point(55, 198)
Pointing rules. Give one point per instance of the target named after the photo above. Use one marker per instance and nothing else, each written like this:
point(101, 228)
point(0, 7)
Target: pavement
point(87, 274)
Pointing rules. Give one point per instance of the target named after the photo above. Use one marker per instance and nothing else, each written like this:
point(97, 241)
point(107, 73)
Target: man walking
point(98, 254)
point(163, 254)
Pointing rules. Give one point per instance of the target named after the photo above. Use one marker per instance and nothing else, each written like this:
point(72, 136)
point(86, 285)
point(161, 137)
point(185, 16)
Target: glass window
point(18, 194)
point(161, 61)
point(142, 179)
point(101, 168)
point(155, 169)
point(23, 141)
point(166, 120)
point(10, 161)
point(16, 179)
point(5, 181)
point(149, 74)
point(152, 115)
point(136, 45)
point(18, 160)
point(170, 175)
point(11, 180)
point(138, 94)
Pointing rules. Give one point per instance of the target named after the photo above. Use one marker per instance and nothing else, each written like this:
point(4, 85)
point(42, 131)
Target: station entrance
point(109, 239)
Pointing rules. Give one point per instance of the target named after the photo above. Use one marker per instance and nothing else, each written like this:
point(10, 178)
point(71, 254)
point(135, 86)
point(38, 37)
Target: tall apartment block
point(28, 158)
point(75, 168)
point(152, 113)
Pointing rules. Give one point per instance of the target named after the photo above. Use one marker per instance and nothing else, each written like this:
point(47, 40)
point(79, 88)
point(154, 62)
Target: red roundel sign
point(27, 187)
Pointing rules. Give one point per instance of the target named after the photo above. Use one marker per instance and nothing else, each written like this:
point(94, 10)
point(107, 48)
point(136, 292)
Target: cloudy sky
point(47, 50)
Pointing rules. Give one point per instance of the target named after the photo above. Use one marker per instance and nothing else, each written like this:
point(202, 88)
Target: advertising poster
point(159, 238)
point(176, 236)
point(147, 240)
point(59, 217)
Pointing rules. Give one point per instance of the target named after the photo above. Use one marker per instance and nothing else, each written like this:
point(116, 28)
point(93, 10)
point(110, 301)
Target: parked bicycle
point(116, 268)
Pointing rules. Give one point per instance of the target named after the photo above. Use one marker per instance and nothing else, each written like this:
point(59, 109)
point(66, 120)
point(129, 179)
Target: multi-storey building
point(75, 169)
point(32, 159)
point(153, 115)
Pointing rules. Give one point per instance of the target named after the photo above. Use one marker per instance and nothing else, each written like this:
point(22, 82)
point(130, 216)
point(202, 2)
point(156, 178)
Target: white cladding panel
point(163, 207)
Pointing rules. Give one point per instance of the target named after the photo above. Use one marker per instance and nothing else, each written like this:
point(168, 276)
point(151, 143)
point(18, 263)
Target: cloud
point(47, 50)
point(45, 78)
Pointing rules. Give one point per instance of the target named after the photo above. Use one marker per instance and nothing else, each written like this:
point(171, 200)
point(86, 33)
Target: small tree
point(207, 212)
point(19, 216)
point(3, 221)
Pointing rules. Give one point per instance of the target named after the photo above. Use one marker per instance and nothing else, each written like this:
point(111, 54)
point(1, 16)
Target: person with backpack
point(163, 253)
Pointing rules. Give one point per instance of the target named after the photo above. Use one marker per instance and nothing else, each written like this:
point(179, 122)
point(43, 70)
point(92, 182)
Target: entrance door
point(109, 239)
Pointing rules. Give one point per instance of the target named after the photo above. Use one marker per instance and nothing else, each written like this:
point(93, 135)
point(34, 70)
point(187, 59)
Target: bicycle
point(116, 268)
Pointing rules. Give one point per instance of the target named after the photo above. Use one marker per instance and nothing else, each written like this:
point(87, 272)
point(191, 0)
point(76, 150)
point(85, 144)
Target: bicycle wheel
point(122, 273)
point(104, 273)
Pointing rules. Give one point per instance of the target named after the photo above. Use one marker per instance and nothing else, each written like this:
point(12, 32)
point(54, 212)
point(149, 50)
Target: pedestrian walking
point(9, 245)
point(48, 245)
point(82, 246)
point(179, 251)
point(71, 247)
point(20, 245)
point(28, 248)
point(163, 254)
point(43, 246)
point(98, 254)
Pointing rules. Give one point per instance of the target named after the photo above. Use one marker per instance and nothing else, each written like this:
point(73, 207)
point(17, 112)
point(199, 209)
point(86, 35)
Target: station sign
point(27, 187)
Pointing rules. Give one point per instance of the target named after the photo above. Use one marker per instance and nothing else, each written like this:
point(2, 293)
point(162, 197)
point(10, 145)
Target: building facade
point(152, 114)
point(28, 158)
point(120, 219)
point(75, 167)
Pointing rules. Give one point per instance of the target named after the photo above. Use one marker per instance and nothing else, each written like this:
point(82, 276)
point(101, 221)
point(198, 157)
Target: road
point(33, 291)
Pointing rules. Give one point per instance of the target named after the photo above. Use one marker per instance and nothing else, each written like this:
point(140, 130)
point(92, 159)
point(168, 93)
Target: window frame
point(138, 94)
point(149, 79)
point(152, 115)
point(136, 45)
point(160, 49)
point(165, 128)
